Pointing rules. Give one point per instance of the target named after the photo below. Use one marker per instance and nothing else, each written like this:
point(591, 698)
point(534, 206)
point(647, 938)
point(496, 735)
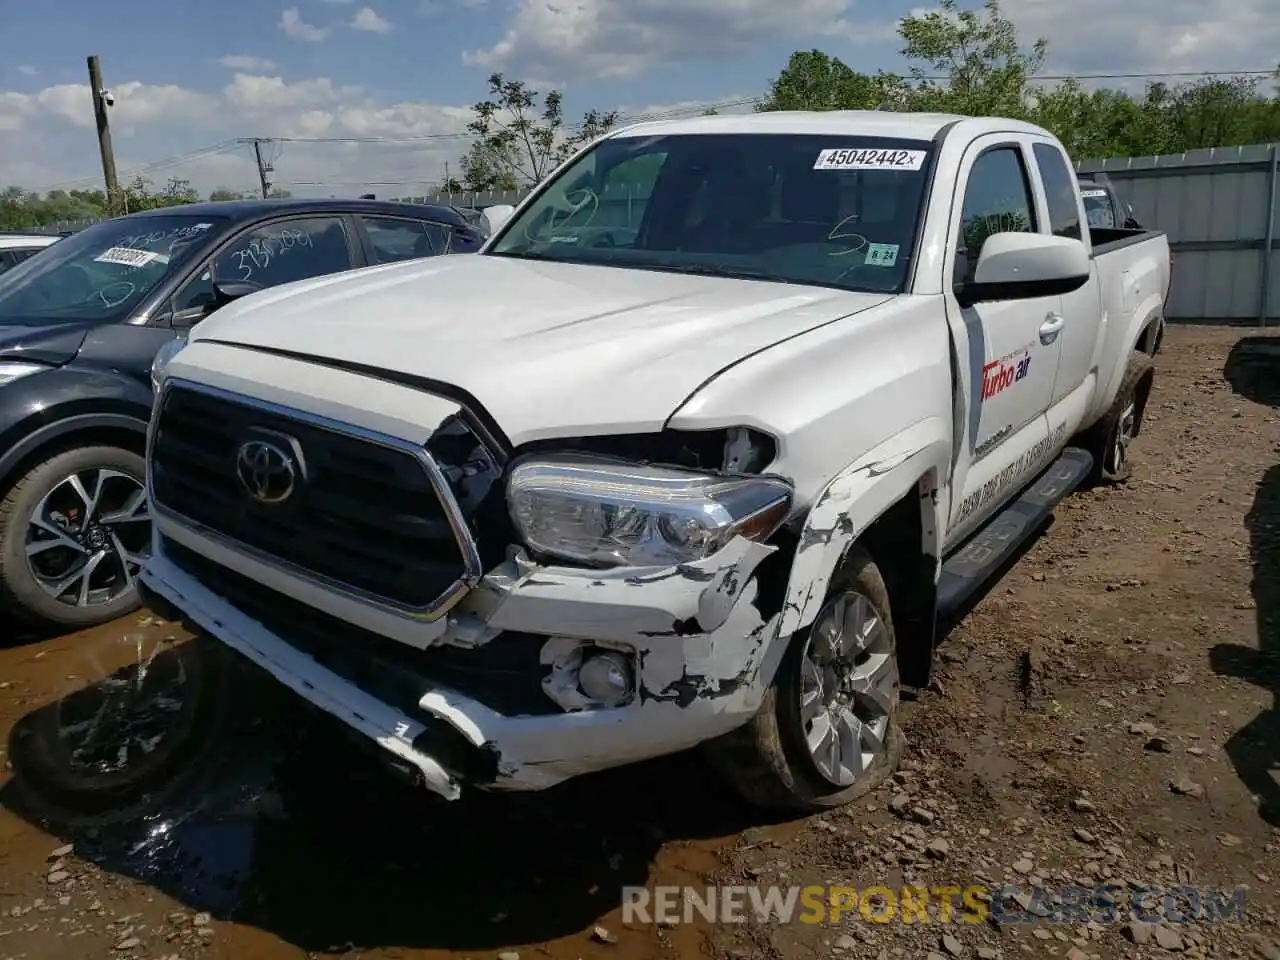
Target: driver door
point(267, 255)
point(1007, 351)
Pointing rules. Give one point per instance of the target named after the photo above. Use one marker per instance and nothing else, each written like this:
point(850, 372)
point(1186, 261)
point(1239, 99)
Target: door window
point(279, 252)
point(394, 239)
point(997, 199)
point(1060, 191)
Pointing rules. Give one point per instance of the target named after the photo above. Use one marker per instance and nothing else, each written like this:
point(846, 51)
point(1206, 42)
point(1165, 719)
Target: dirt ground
point(1108, 713)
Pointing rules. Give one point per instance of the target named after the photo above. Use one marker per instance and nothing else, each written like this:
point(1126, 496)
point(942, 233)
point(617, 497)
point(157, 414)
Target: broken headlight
point(603, 512)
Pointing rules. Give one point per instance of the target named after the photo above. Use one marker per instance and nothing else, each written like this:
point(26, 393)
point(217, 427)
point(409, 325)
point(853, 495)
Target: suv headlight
point(162, 358)
point(603, 512)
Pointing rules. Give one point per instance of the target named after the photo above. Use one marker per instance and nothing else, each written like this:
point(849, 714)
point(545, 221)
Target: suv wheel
point(827, 731)
point(74, 532)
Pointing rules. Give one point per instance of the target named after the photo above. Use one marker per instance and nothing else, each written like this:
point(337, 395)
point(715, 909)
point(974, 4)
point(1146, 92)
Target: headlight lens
point(11, 370)
point(607, 513)
point(162, 358)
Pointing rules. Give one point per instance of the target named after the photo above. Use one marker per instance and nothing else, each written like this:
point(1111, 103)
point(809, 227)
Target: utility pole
point(263, 167)
point(102, 99)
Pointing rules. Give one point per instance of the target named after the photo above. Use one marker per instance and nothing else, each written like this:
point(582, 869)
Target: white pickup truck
point(697, 450)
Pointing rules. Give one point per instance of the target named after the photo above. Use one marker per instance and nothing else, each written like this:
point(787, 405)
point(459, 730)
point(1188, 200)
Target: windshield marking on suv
point(260, 251)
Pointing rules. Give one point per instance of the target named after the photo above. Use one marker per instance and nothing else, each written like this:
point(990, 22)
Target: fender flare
point(854, 499)
point(38, 438)
point(1149, 311)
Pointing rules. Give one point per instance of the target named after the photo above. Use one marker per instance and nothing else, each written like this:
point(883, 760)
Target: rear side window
point(394, 239)
point(1060, 191)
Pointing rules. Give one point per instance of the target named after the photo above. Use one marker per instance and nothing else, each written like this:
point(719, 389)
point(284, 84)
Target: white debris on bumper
point(703, 654)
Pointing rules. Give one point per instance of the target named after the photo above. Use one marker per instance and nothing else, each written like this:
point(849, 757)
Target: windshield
point(102, 272)
point(829, 211)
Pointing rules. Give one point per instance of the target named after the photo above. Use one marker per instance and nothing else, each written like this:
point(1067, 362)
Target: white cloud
point(46, 137)
point(1099, 36)
point(560, 41)
point(294, 26)
point(237, 62)
point(367, 19)
point(27, 70)
point(555, 39)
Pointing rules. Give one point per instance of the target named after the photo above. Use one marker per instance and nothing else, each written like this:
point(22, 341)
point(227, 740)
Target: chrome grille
point(372, 515)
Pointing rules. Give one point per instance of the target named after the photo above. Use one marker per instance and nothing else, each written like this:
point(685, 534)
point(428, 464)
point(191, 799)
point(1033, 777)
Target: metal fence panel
point(1219, 208)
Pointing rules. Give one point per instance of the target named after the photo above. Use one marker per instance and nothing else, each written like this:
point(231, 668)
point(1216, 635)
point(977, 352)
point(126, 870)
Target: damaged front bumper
point(700, 655)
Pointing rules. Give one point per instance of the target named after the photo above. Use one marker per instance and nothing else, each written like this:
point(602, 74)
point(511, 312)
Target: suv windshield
point(102, 272)
point(829, 211)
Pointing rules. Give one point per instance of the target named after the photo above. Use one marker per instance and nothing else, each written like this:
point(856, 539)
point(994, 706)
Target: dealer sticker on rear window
point(126, 256)
point(849, 159)
point(1093, 193)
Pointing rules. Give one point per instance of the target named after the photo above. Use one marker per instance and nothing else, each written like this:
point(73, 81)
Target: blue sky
point(197, 73)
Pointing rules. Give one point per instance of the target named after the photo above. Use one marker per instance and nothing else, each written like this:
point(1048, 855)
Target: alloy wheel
point(89, 536)
point(849, 688)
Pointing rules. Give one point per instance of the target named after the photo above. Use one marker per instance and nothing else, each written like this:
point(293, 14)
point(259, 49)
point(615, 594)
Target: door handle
point(1051, 327)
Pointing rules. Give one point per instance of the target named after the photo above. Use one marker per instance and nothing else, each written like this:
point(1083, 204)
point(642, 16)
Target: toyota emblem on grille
point(266, 471)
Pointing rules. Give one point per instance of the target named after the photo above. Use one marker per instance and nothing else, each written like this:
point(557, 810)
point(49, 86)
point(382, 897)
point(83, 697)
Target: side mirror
point(1020, 266)
point(227, 290)
point(497, 215)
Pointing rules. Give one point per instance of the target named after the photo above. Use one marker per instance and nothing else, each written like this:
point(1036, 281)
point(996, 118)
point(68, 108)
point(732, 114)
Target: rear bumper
point(691, 684)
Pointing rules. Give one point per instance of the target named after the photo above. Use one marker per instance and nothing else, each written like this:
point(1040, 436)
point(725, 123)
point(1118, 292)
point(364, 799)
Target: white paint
point(857, 388)
point(26, 241)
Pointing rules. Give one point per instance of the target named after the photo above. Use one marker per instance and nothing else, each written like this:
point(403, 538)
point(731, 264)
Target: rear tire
point(74, 508)
point(772, 761)
point(1108, 440)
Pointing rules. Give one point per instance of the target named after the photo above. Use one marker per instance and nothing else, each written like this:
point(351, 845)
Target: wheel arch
point(889, 501)
point(68, 432)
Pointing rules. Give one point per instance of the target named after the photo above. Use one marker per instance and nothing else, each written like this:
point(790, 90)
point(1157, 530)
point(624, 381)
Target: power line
point(155, 165)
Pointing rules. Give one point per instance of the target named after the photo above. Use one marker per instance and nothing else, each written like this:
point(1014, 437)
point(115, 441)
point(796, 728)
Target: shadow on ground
point(1253, 370)
point(293, 830)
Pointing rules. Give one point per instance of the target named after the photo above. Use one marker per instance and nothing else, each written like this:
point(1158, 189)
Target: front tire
point(74, 532)
point(827, 732)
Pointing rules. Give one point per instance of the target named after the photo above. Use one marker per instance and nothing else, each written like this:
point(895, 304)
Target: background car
point(79, 327)
point(1103, 206)
point(16, 246)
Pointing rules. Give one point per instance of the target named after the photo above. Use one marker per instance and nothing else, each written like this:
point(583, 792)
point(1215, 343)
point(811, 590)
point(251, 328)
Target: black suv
point(79, 327)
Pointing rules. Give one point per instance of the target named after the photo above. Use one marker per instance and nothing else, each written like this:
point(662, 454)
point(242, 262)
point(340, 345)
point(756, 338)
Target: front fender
point(45, 406)
point(858, 496)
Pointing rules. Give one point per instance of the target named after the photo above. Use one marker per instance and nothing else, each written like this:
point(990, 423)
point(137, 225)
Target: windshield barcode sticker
point(1093, 193)
point(848, 159)
point(127, 256)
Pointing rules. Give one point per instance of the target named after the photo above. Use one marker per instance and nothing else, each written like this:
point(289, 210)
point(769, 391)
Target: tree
point(812, 80)
point(222, 195)
point(987, 73)
point(972, 62)
point(519, 142)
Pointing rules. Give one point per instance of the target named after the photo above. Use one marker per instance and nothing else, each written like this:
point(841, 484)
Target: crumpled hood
point(549, 349)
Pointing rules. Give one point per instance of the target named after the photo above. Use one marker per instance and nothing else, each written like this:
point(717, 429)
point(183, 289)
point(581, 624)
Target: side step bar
point(982, 554)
